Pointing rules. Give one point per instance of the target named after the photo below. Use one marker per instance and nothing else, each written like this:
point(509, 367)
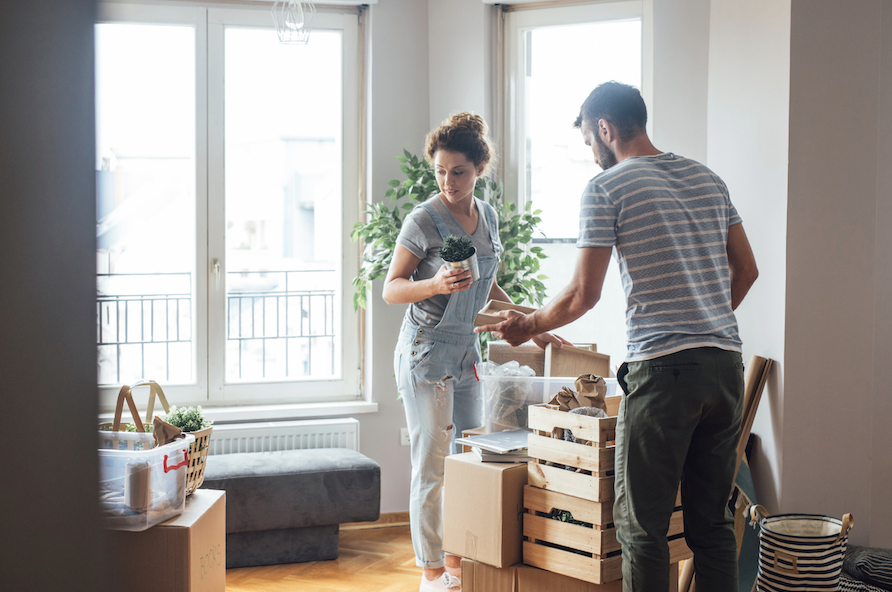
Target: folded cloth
point(850, 584)
point(870, 565)
point(590, 391)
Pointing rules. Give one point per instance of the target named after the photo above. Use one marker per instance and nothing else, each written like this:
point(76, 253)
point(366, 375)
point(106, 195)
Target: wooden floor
point(371, 560)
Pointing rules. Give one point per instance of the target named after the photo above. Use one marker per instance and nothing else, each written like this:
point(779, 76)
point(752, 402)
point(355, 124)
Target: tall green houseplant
point(519, 274)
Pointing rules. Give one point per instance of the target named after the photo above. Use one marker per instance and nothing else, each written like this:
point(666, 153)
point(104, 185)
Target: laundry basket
point(800, 552)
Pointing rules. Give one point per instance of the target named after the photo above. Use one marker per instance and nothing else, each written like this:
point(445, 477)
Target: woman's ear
point(480, 169)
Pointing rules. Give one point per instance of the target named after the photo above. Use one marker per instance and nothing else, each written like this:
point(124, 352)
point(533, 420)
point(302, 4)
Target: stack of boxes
point(510, 522)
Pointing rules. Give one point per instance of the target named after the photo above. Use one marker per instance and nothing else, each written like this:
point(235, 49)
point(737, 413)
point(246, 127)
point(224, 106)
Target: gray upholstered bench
point(286, 506)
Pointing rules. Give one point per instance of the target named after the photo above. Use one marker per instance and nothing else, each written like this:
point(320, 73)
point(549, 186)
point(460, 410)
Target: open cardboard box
point(487, 316)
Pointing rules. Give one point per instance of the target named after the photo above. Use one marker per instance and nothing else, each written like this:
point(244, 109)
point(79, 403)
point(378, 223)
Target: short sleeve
point(412, 235)
point(597, 218)
point(733, 216)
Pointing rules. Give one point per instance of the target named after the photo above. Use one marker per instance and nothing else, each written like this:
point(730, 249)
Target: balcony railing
point(279, 325)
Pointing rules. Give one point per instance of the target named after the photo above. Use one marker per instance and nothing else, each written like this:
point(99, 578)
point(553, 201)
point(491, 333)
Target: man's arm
point(575, 300)
point(742, 263)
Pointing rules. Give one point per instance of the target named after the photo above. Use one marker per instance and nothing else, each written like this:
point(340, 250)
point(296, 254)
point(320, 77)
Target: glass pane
point(559, 164)
point(283, 206)
point(145, 202)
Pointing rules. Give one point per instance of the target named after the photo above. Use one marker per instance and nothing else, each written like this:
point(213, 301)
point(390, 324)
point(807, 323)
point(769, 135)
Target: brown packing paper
point(165, 433)
point(590, 391)
point(565, 399)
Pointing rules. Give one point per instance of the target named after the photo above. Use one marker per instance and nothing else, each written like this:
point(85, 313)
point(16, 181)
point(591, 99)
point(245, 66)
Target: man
point(686, 265)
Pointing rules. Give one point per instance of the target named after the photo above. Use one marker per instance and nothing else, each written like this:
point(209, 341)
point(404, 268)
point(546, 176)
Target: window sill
point(224, 415)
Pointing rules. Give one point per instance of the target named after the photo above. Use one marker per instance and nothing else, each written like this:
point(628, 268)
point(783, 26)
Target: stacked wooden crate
point(588, 551)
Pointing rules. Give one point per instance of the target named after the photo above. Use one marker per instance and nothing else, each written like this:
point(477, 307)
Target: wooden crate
point(586, 553)
point(547, 446)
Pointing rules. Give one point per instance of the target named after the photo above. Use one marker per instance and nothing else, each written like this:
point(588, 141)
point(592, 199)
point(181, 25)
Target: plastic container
point(506, 399)
point(141, 486)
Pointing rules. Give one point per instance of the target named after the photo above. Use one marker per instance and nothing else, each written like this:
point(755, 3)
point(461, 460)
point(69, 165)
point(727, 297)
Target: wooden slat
point(598, 460)
point(596, 571)
point(594, 429)
point(542, 500)
point(574, 361)
point(590, 540)
point(596, 489)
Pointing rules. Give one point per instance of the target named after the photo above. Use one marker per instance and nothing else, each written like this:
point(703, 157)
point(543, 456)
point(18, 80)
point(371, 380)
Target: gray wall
point(799, 126)
point(748, 119)
point(47, 299)
point(836, 267)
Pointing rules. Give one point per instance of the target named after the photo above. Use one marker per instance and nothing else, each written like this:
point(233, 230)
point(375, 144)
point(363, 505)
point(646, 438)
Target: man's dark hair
point(618, 103)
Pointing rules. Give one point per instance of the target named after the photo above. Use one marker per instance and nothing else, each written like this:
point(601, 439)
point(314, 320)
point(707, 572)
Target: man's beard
point(606, 156)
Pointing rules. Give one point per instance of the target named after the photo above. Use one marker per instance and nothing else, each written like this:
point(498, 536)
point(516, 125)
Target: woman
point(437, 348)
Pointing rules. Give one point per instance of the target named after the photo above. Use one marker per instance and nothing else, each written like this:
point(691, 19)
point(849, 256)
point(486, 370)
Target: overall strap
point(438, 220)
point(490, 214)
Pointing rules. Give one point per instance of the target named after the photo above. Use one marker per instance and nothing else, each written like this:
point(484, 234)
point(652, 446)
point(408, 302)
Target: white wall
point(50, 515)
point(680, 64)
point(747, 146)
point(399, 116)
point(461, 77)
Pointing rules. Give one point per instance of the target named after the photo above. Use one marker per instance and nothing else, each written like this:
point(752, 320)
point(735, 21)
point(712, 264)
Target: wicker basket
point(198, 450)
point(198, 454)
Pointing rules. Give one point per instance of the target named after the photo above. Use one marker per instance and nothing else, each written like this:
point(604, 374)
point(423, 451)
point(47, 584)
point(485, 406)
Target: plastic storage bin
point(506, 399)
point(141, 486)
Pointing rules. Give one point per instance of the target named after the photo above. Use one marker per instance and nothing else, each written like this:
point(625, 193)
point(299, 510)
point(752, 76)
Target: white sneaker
point(443, 583)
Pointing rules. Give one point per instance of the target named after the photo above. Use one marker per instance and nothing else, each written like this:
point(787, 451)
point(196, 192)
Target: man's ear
point(607, 131)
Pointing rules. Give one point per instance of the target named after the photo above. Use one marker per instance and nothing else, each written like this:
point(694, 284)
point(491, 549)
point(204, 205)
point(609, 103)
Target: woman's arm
point(400, 289)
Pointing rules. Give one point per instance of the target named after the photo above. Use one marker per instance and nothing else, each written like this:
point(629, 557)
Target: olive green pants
point(679, 421)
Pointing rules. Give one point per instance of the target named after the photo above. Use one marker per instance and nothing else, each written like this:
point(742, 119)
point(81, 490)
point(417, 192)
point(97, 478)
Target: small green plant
point(188, 419)
point(518, 273)
point(456, 248)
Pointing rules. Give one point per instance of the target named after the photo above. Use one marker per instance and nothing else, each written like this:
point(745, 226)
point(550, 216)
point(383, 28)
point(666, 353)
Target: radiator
point(285, 435)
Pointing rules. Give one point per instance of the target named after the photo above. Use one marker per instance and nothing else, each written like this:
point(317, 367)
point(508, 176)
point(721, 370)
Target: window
point(554, 58)
point(225, 162)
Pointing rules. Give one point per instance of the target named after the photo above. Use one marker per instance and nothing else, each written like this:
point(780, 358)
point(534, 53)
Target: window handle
point(215, 264)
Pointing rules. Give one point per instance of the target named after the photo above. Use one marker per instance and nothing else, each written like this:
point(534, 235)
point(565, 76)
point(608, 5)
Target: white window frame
point(518, 21)
point(209, 387)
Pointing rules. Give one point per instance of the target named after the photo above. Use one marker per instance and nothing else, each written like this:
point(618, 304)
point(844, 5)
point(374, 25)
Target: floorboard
point(371, 560)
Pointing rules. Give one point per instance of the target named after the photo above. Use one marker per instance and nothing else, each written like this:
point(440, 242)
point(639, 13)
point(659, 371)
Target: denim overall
point(434, 367)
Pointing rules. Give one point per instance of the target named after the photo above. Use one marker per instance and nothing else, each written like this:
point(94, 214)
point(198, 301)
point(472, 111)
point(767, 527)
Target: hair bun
point(467, 121)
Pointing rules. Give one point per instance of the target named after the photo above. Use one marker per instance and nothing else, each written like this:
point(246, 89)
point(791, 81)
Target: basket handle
point(183, 463)
point(125, 395)
point(757, 512)
point(154, 389)
point(848, 521)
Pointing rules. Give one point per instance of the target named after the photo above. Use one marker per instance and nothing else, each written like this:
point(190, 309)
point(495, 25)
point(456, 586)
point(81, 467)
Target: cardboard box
point(483, 510)
point(478, 577)
point(487, 316)
point(183, 554)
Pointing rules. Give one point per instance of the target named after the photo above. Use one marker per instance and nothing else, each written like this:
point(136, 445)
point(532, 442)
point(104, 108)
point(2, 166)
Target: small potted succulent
point(458, 251)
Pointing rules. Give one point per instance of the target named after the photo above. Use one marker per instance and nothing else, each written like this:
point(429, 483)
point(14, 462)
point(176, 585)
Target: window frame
point(516, 23)
point(209, 386)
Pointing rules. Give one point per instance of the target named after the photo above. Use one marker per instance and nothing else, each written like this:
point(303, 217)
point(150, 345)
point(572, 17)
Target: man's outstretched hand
point(516, 328)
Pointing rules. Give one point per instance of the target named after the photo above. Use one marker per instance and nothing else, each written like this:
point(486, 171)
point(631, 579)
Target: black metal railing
point(153, 313)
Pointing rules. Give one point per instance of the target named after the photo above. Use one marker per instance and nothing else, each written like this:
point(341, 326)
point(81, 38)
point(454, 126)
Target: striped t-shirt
point(667, 217)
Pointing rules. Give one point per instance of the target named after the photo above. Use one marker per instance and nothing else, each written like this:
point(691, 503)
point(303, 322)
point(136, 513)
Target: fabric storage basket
point(800, 552)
